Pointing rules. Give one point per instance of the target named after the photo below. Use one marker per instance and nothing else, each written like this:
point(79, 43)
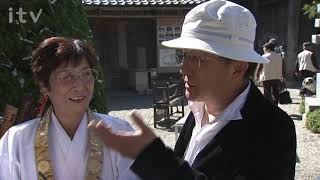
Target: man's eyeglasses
point(70, 76)
point(182, 57)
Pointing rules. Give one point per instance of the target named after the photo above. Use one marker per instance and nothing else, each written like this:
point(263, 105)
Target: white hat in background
point(219, 27)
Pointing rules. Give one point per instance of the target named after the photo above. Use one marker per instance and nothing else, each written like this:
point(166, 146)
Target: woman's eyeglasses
point(70, 76)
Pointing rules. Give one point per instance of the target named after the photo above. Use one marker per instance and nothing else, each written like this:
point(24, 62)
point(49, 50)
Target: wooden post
point(294, 9)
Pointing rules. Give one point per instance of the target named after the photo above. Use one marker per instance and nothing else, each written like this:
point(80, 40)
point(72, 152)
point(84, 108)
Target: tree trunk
point(294, 10)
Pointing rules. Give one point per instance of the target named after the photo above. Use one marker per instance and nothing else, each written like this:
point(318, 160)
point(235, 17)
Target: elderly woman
point(59, 145)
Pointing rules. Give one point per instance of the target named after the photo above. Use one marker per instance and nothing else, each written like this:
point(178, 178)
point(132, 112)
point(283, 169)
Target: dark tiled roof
point(142, 2)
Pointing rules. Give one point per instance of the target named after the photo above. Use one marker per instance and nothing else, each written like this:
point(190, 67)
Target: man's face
point(71, 87)
point(206, 76)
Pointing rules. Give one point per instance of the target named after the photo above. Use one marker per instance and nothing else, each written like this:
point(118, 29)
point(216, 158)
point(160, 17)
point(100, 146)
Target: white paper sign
point(167, 58)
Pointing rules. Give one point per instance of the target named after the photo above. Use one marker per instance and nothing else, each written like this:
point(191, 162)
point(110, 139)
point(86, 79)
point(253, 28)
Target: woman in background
point(271, 74)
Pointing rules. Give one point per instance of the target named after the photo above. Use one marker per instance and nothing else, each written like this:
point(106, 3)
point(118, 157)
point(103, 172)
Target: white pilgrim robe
point(17, 154)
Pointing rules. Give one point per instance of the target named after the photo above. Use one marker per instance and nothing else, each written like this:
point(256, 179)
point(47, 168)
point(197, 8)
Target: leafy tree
point(18, 39)
point(311, 9)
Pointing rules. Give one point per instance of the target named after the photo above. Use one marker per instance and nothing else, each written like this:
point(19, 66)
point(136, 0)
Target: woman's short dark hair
point(269, 46)
point(56, 51)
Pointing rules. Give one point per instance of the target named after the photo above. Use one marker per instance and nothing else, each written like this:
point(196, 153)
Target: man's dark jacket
point(261, 146)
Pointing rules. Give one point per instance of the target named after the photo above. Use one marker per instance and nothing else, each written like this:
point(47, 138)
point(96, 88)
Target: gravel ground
point(308, 144)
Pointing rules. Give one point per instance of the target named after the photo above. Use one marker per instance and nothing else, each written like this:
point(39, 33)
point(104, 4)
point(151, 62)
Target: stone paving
point(308, 144)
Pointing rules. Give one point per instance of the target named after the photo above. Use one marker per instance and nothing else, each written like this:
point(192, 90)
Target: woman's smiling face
point(71, 87)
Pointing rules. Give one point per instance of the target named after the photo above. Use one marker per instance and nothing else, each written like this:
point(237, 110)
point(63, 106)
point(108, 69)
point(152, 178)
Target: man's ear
point(239, 69)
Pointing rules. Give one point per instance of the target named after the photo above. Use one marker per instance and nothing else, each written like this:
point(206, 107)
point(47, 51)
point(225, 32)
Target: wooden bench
point(167, 96)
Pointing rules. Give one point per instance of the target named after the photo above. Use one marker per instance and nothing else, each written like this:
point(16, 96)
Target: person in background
point(278, 49)
point(58, 145)
point(232, 131)
point(306, 65)
point(271, 74)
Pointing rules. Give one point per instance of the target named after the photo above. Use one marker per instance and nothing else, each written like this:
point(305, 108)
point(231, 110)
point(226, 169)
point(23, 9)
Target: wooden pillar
point(294, 9)
point(122, 44)
point(255, 12)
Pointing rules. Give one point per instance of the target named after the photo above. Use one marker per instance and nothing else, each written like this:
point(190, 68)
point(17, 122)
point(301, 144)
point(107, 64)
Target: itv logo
point(21, 15)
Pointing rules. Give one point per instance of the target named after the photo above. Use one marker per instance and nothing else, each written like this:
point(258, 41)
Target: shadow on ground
point(297, 159)
point(294, 103)
point(117, 103)
point(167, 125)
point(296, 117)
point(127, 100)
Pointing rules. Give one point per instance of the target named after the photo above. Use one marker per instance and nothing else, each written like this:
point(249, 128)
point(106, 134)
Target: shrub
point(302, 107)
point(313, 121)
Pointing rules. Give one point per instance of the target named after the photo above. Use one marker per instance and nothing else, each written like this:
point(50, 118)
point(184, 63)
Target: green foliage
point(313, 121)
point(98, 102)
point(311, 9)
point(62, 18)
point(302, 107)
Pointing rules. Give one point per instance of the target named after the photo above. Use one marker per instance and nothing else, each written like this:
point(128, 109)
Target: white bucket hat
point(219, 27)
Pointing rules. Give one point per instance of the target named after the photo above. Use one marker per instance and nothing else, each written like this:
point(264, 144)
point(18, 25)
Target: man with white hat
point(232, 131)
